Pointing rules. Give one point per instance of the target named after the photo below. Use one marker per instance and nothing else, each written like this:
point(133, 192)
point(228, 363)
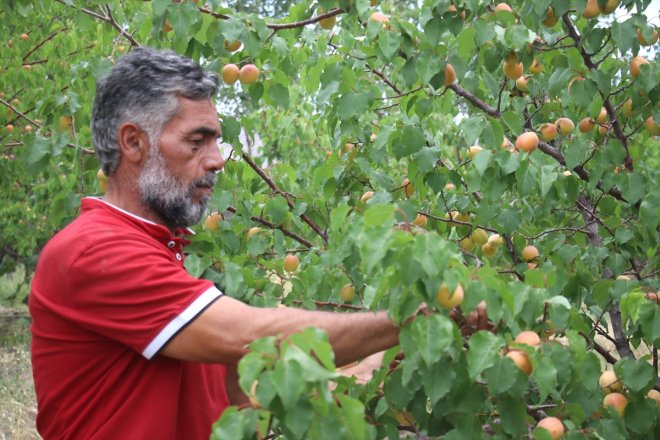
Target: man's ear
point(133, 142)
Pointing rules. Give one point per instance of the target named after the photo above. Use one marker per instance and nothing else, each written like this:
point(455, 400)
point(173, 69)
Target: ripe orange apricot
point(232, 46)
point(521, 360)
point(617, 401)
point(609, 382)
point(565, 126)
point(291, 263)
point(421, 220)
point(550, 18)
point(248, 74)
point(447, 299)
point(592, 10)
point(503, 7)
point(553, 425)
point(408, 188)
point(527, 142)
point(530, 253)
point(643, 40)
point(450, 74)
point(528, 337)
point(347, 292)
point(548, 131)
point(512, 68)
point(212, 222)
point(379, 17)
point(230, 73)
point(635, 64)
point(586, 125)
point(366, 196)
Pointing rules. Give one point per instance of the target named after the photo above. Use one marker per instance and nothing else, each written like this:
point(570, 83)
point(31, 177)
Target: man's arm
point(234, 392)
point(222, 332)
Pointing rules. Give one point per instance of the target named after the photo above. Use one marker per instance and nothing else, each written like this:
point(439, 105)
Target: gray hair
point(142, 88)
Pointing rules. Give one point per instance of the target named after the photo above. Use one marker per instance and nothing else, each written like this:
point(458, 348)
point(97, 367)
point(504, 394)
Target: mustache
point(208, 180)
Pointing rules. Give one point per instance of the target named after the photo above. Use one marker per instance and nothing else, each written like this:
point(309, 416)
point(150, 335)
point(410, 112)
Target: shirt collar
point(152, 225)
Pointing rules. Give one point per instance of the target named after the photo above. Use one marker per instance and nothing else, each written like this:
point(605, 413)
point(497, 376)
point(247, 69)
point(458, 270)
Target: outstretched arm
point(222, 332)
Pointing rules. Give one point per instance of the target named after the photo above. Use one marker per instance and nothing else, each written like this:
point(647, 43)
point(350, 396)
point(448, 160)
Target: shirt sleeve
point(135, 293)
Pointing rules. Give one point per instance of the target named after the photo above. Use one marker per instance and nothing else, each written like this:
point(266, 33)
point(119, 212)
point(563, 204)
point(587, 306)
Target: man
point(125, 343)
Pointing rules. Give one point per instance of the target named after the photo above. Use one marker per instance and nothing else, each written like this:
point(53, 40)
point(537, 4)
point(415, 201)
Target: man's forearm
point(353, 335)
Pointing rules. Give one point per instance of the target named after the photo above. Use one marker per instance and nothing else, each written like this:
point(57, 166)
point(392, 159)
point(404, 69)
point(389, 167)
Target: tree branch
point(275, 189)
point(41, 43)
point(586, 57)
point(474, 100)
point(271, 225)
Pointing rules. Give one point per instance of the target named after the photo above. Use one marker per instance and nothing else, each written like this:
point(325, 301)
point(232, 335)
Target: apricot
point(553, 425)
point(447, 299)
point(521, 360)
point(548, 131)
point(248, 74)
point(617, 401)
point(421, 220)
point(408, 188)
point(565, 126)
point(347, 292)
point(291, 263)
point(230, 73)
point(366, 196)
point(530, 253)
point(592, 10)
point(212, 222)
point(586, 125)
point(609, 383)
point(527, 142)
point(450, 74)
point(528, 337)
point(635, 64)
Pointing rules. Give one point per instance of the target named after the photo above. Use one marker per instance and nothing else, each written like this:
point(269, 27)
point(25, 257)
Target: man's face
point(178, 176)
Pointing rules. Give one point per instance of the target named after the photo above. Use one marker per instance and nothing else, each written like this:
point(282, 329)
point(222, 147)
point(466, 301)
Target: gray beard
point(168, 196)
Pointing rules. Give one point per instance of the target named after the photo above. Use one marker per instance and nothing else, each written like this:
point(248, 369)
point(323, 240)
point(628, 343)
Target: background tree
point(497, 162)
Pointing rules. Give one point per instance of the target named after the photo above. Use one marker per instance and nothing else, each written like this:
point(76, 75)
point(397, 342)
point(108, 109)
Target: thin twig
point(304, 217)
point(44, 41)
point(271, 225)
point(474, 100)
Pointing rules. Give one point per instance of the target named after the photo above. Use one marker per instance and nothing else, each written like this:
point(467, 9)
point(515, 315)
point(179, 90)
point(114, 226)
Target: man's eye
point(197, 142)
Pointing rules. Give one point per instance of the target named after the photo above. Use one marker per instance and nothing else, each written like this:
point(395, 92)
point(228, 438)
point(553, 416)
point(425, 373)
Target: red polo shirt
point(109, 292)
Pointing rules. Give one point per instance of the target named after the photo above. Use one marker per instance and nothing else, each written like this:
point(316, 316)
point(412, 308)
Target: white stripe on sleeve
point(202, 301)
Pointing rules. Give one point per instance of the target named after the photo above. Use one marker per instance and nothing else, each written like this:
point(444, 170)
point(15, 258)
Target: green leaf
point(548, 177)
point(354, 417)
point(481, 161)
point(513, 120)
point(509, 219)
point(231, 129)
point(277, 209)
point(352, 104)
point(545, 375)
point(500, 377)
point(483, 352)
point(641, 416)
point(410, 141)
point(389, 43)
point(512, 410)
point(438, 379)
point(431, 335)
point(636, 374)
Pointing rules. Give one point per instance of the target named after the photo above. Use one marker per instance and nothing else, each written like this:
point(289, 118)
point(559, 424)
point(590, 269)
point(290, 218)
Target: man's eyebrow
point(206, 131)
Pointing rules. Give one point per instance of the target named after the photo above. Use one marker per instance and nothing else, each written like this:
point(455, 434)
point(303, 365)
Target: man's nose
point(214, 161)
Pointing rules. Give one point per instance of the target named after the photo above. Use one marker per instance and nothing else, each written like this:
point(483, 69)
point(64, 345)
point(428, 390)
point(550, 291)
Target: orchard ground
point(18, 406)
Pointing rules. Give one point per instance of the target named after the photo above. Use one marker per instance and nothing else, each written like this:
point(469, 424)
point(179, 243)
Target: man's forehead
point(200, 116)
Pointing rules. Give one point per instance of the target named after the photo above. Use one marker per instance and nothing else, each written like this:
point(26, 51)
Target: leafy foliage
point(363, 107)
